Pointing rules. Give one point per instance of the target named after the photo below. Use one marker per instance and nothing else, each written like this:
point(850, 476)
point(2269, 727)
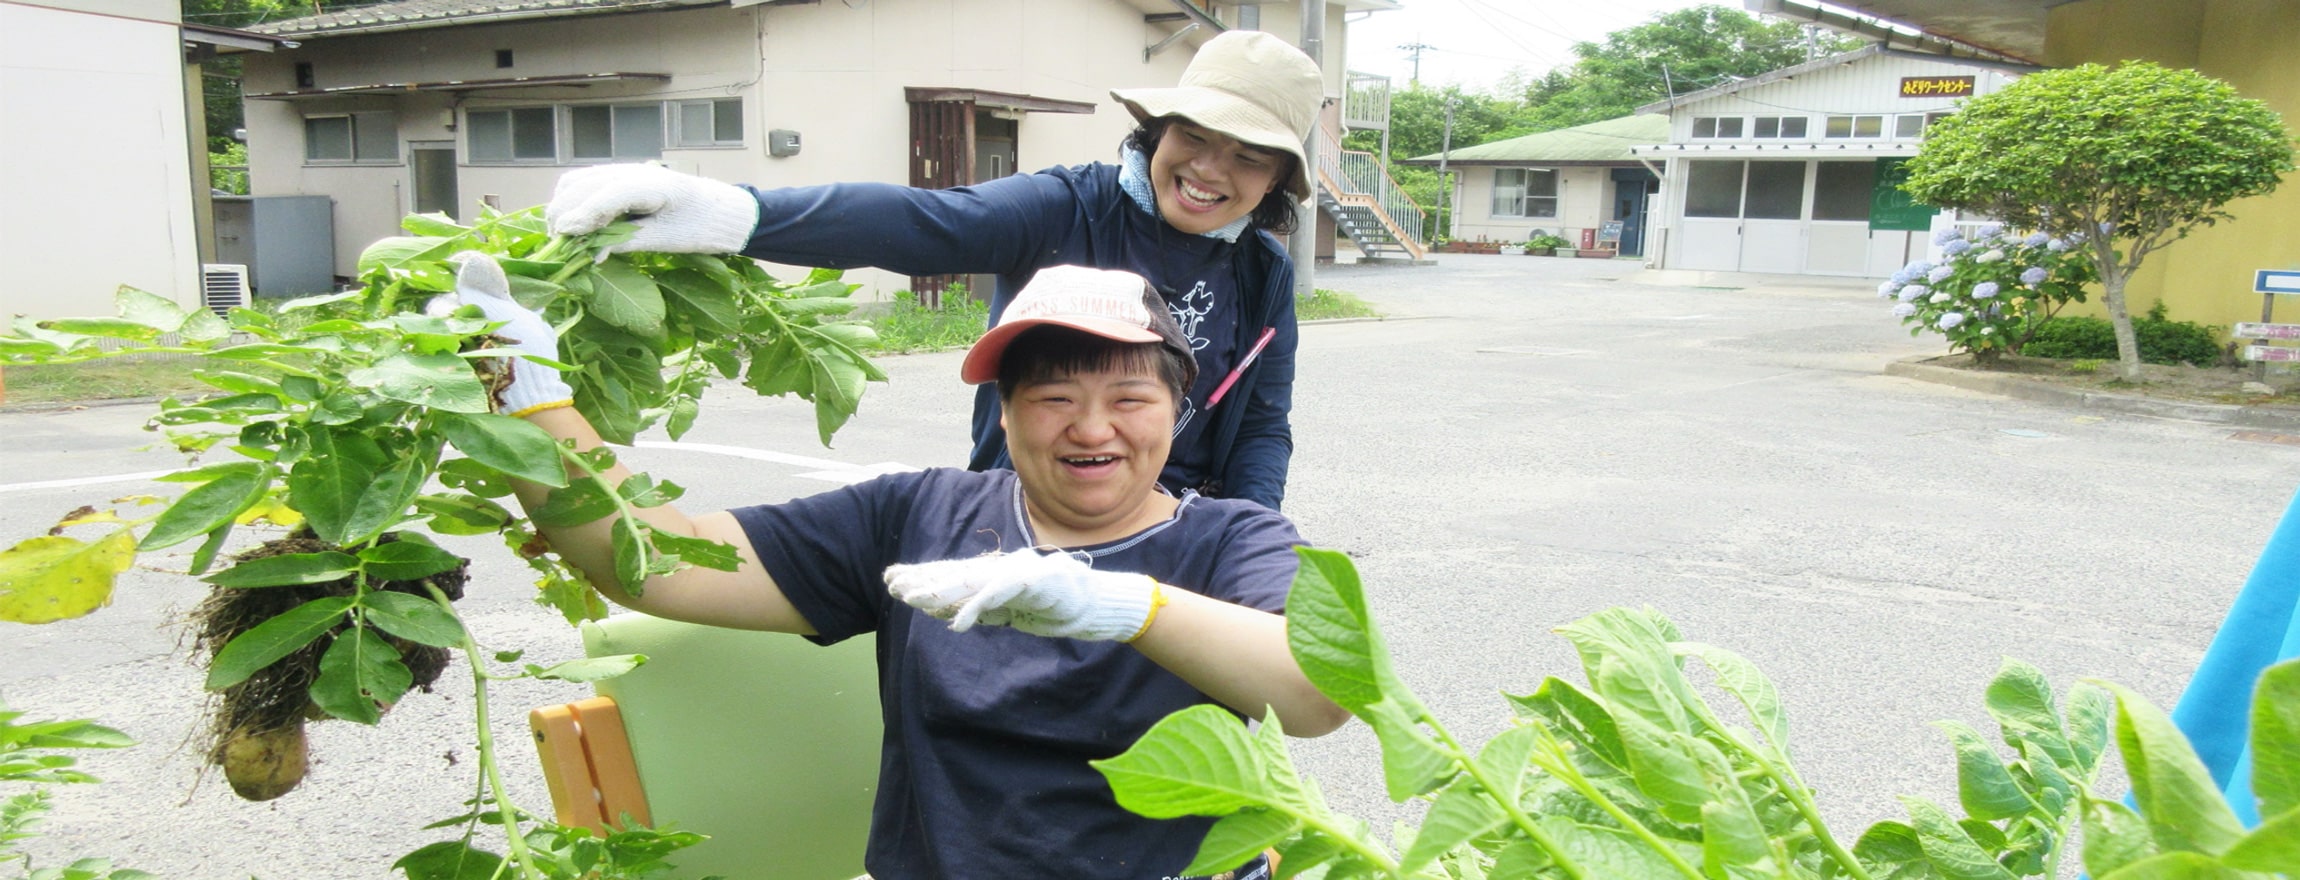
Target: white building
point(1795, 171)
point(434, 105)
point(105, 158)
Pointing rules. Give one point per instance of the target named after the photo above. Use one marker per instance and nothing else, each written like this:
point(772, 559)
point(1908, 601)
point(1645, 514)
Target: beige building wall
point(2208, 277)
point(1582, 199)
point(93, 200)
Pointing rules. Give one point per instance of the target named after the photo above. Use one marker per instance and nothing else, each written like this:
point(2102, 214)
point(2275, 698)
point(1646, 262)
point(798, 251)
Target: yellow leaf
point(51, 578)
point(270, 509)
point(92, 516)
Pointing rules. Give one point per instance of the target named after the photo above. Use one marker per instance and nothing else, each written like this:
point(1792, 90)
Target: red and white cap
point(1109, 303)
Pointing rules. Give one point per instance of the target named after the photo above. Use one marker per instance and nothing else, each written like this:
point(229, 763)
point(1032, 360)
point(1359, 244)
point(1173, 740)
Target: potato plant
point(1638, 776)
point(349, 426)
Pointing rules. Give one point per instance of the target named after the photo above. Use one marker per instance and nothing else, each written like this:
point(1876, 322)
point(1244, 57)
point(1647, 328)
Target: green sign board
point(1889, 207)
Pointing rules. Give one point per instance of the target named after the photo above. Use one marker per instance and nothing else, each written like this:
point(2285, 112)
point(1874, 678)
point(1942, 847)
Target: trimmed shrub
point(2162, 341)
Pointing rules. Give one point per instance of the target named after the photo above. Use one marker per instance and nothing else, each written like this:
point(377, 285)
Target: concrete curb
point(2047, 393)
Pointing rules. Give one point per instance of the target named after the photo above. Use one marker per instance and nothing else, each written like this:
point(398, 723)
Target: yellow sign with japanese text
point(1936, 86)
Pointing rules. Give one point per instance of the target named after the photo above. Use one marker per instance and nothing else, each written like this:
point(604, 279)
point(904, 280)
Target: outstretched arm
point(1238, 655)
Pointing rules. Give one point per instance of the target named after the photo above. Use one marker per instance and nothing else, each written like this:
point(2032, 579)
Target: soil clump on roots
point(255, 729)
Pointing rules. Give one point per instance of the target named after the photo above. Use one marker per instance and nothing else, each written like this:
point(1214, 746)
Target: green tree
point(1675, 53)
point(2129, 159)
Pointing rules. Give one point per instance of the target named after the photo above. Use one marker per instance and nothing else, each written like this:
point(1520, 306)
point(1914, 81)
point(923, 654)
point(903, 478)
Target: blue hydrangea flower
point(1946, 235)
point(1940, 298)
point(2034, 275)
point(1913, 292)
point(1993, 255)
point(2057, 246)
point(2036, 239)
point(1991, 230)
point(1950, 320)
point(1906, 275)
point(1887, 288)
point(1956, 247)
point(1986, 289)
point(1920, 267)
point(1904, 310)
point(1940, 274)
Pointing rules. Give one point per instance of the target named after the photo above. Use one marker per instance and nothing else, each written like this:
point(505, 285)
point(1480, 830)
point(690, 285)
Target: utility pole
point(1302, 246)
point(1445, 184)
point(1414, 50)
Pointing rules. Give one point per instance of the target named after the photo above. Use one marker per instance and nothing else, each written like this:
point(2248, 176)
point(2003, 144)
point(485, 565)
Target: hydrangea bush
point(1991, 291)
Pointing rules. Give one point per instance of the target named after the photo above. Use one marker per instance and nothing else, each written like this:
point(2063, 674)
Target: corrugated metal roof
point(1607, 141)
point(414, 14)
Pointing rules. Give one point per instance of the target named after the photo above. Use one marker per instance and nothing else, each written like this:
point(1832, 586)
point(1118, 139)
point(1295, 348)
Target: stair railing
point(1359, 178)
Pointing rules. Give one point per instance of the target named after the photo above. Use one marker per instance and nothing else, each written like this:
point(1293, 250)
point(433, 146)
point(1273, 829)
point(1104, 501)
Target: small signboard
point(2266, 353)
point(2276, 281)
point(1891, 207)
point(1936, 86)
point(2249, 330)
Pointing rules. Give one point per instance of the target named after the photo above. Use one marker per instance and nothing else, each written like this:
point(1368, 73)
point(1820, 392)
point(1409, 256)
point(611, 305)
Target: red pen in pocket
point(1240, 370)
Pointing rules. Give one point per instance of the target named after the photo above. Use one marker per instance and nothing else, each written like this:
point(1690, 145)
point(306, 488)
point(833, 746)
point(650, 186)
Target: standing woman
point(1207, 180)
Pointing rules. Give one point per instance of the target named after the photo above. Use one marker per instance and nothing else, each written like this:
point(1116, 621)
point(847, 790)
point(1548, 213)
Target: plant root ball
point(273, 704)
point(264, 765)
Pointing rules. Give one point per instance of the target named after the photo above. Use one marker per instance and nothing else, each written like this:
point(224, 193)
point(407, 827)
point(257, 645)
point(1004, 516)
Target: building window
point(603, 132)
point(523, 134)
point(1843, 190)
point(1717, 126)
point(1524, 192)
point(502, 58)
point(715, 123)
point(351, 138)
point(1776, 191)
point(1780, 126)
point(1713, 188)
point(1912, 126)
point(1856, 126)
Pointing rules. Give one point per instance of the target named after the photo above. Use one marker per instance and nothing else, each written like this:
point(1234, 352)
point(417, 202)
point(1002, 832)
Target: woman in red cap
point(1212, 174)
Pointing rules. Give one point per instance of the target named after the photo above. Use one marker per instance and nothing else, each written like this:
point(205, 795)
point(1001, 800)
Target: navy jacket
point(1014, 226)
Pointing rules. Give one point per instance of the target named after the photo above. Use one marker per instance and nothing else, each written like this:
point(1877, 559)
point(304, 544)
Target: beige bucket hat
point(1248, 85)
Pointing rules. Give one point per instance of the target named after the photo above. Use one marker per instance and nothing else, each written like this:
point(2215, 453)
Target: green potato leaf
point(1949, 846)
point(1892, 852)
point(359, 675)
point(1463, 811)
point(1238, 838)
point(623, 296)
point(513, 446)
point(589, 669)
point(2114, 836)
point(1196, 762)
point(440, 381)
point(2270, 848)
point(413, 618)
point(2175, 794)
point(1984, 787)
point(278, 637)
point(1750, 687)
point(54, 577)
point(2020, 699)
point(411, 557)
point(451, 860)
point(2180, 865)
point(287, 570)
point(2276, 739)
point(234, 488)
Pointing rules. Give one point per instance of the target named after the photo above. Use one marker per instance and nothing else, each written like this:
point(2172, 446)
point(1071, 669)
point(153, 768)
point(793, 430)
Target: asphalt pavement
point(1521, 442)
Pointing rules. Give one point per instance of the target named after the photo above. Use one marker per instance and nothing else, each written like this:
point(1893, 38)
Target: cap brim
point(1225, 113)
point(981, 364)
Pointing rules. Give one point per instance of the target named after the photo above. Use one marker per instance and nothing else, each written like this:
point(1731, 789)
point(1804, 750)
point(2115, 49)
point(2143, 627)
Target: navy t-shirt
point(983, 771)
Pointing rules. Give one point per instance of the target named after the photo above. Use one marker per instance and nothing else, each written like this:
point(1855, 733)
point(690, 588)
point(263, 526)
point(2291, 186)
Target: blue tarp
point(2262, 628)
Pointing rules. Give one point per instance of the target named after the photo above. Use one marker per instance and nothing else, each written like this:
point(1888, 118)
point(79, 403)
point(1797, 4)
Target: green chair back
point(764, 741)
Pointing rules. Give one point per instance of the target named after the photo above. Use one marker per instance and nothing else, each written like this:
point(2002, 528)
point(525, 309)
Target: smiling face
point(1088, 445)
point(1206, 180)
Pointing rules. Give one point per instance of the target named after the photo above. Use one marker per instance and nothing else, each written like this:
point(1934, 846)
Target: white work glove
point(1047, 594)
point(676, 213)
point(480, 282)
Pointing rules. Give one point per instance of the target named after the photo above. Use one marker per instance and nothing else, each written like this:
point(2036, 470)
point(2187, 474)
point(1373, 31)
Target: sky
point(1476, 43)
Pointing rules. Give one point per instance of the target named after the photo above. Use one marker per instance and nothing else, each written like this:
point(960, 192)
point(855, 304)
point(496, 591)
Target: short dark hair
point(1048, 351)
point(1275, 214)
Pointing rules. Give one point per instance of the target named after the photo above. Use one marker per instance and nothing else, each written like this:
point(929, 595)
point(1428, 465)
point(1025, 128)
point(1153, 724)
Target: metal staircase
point(1366, 204)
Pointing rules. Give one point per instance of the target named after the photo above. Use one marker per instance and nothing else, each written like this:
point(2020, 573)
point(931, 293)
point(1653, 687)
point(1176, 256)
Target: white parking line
point(823, 469)
point(83, 481)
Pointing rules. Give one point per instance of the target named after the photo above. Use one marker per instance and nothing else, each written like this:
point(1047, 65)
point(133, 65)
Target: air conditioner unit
point(223, 286)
